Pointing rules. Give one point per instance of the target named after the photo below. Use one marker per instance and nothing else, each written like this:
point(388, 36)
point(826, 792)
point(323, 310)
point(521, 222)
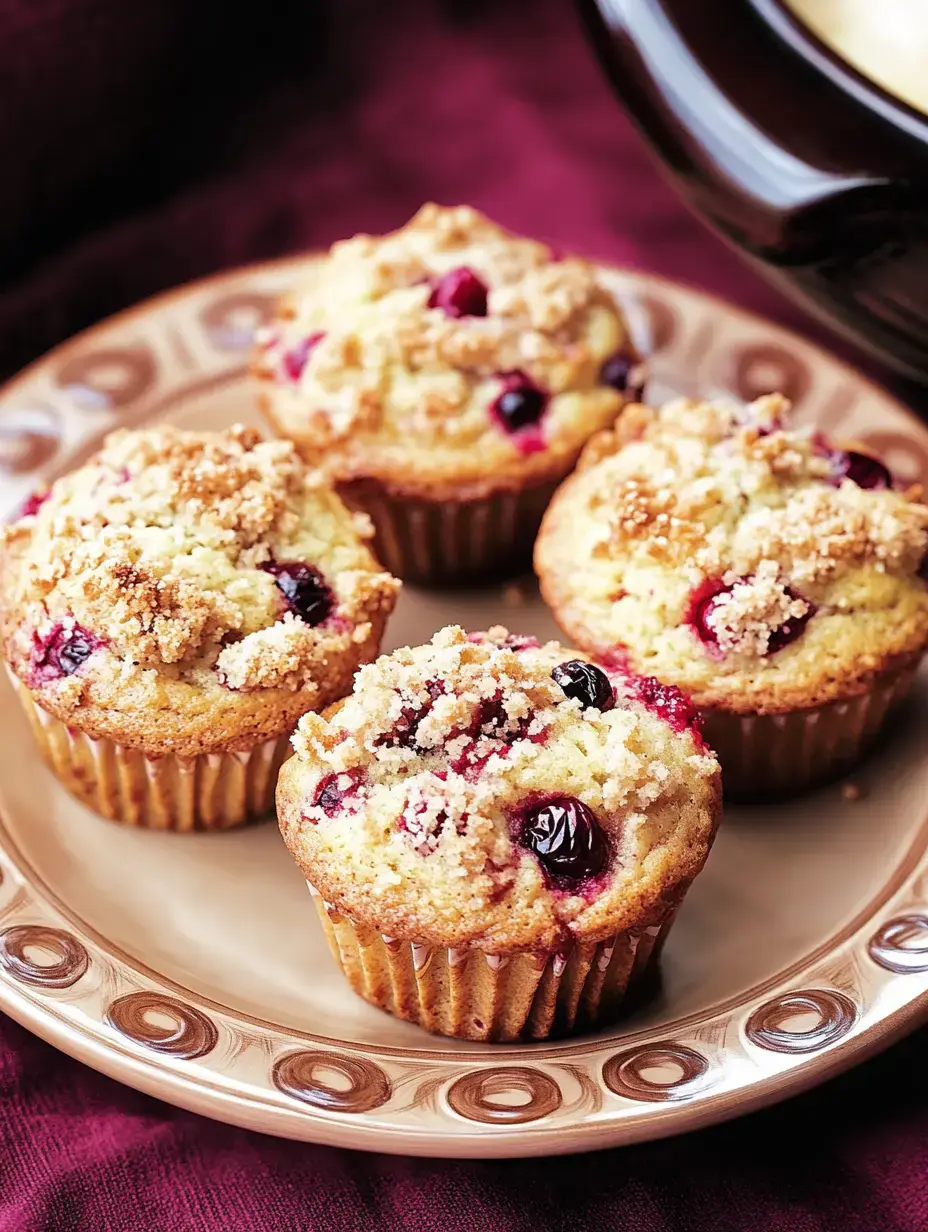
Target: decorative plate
point(193, 967)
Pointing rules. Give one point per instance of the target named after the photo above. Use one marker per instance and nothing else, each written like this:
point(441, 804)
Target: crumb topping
point(167, 547)
point(442, 748)
point(744, 618)
point(413, 333)
point(813, 559)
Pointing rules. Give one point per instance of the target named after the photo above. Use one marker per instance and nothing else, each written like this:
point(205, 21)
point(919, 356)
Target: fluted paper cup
point(450, 542)
point(212, 791)
point(764, 756)
point(476, 996)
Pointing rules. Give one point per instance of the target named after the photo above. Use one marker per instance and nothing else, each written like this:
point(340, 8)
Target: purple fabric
point(147, 144)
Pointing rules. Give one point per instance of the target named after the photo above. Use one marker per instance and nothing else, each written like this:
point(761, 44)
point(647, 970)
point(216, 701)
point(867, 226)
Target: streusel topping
point(750, 563)
point(219, 560)
point(416, 802)
point(446, 335)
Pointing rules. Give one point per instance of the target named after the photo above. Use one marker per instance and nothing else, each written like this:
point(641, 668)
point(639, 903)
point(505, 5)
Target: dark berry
point(922, 569)
point(565, 836)
point(666, 701)
point(791, 629)
point(330, 794)
point(585, 683)
point(521, 403)
point(491, 718)
point(61, 653)
point(705, 600)
point(460, 293)
point(617, 372)
point(304, 588)
point(407, 725)
point(860, 468)
point(296, 359)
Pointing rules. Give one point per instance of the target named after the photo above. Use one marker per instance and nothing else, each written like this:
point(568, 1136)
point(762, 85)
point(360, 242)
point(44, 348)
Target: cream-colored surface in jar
point(886, 40)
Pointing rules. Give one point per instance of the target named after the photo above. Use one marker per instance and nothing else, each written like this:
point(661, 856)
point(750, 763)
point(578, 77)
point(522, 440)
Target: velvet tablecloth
point(144, 145)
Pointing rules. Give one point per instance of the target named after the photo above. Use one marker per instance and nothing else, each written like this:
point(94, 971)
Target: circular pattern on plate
point(362, 1085)
point(657, 1073)
point(29, 437)
point(232, 320)
point(901, 945)
point(163, 1024)
point(832, 1016)
point(108, 378)
point(482, 1096)
point(764, 368)
point(42, 956)
point(662, 321)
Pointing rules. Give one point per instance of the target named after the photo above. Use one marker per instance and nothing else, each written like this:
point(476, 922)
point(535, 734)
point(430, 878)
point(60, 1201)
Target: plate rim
point(149, 1074)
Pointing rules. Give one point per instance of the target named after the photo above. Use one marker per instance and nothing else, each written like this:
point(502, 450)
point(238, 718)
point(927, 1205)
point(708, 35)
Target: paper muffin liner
point(449, 542)
point(476, 996)
point(212, 791)
point(775, 755)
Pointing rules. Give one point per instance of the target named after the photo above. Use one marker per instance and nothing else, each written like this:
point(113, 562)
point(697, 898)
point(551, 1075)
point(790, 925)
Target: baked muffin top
point(755, 566)
point(449, 350)
point(484, 791)
point(185, 588)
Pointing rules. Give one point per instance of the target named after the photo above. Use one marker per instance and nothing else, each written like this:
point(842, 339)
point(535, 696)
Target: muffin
point(775, 577)
point(446, 377)
point(170, 609)
point(496, 835)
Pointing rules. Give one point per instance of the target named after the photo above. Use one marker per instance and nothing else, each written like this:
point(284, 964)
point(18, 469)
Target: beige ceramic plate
point(193, 967)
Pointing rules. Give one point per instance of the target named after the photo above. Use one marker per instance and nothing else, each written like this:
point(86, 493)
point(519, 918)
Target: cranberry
point(666, 701)
point(565, 836)
point(460, 293)
point(296, 359)
point(512, 641)
point(492, 719)
point(66, 649)
point(304, 588)
point(521, 403)
point(790, 629)
point(616, 372)
point(32, 504)
point(705, 599)
point(407, 725)
point(860, 468)
point(332, 790)
point(702, 602)
point(585, 683)
point(518, 641)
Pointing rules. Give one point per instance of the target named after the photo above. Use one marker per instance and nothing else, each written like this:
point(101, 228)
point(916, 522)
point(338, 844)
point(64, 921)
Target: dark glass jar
point(809, 168)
